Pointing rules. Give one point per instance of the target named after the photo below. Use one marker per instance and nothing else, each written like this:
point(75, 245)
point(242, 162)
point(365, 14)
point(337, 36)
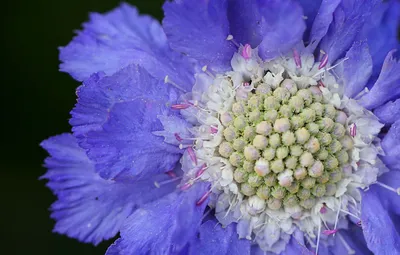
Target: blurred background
point(35, 104)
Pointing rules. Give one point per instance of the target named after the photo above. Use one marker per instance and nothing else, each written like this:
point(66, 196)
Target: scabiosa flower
point(237, 127)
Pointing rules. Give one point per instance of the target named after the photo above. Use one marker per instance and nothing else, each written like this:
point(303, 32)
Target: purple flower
point(236, 127)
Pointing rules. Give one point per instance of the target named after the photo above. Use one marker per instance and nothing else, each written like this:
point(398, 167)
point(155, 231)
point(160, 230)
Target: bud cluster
point(286, 144)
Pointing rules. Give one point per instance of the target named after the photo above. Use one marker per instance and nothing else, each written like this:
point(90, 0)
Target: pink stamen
point(353, 130)
point(323, 210)
point(186, 186)
point(214, 130)
point(324, 61)
point(180, 106)
point(171, 174)
point(246, 84)
point(246, 52)
point(297, 58)
point(358, 163)
point(201, 170)
point(203, 198)
point(321, 84)
point(178, 137)
point(329, 232)
point(359, 223)
point(192, 155)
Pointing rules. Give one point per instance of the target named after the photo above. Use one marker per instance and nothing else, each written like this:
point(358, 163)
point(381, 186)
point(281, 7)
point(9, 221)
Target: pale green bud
point(226, 119)
point(251, 153)
point(331, 163)
point(290, 85)
point(324, 138)
point(302, 135)
point(274, 140)
point(254, 180)
point(285, 178)
point(325, 124)
point(247, 190)
point(263, 192)
point(319, 190)
point(291, 162)
point(303, 194)
point(236, 159)
point(312, 145)
point(229, 134)
point(249, 133)
point(300, 173)
point(270, 180)
point(282, 152)
point(277, 166)
point(269, 153)
point(286, 111)
point(338, 131)
point(316, 94)
point(271, 115)
point(306, 159)
point(308, 203)
point(308, 182)
point(248, 166)
point(255, 102)
point(271, 102)
point(313, 128)
point(296, 103)
point(281, 94)
point(316, 170)
point(225, 149)
point(274, 204)
point(306, 95)
point(294, 188)
point(322, 154)
point(342, 156)
point(240, 122)
point(263, 128)
point(263, 89)
point(341, 117)
point(288, 138)
point(282, 125)
point(240, 175)
point(296, 150)
point(261, 167)
point(297, 122)
point(318, 109)
point(255, 116)
point(335, 176)
point(330, 111)
point(239, 144)
point(238, 108)
point(335, 146)
point(278, 192)
point(308, 115)
point(260, 142)
point(324, 178)
point(347, 142)
point(330, 189)
point(290, 201)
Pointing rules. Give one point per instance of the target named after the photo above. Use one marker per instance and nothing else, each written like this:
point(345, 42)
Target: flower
point(237, 127)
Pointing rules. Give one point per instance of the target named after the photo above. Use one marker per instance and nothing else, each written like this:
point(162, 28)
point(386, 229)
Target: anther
point(353, 130)
point(321, 84)
point(159, 184)
point(230, 38)
point(202, 169)
point(187, 185)
point(167, 80)
point(324, 61)
point(205, 69)
point(297, 58)
point(192, 155)
point(397, 191)
point(329, 232)
point(180, 106)
point(213, 130)
point(323, 209)
point(178, 137)
point(171, 173)
point(203, 198)
point(246, 52)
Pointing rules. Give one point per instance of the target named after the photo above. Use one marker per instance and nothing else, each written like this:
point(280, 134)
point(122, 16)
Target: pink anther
point(214, 130)
point(186, 186)
point(178, 137)
point(201, 170)
point(321, 84)
point(323, 210)
point(203, 198)
point(180, 106)
point(192, 155)
point(353, 130)
point(246, 52)
point(324, 61)
point(297, 58)
point(171, 174)
point(329, 232)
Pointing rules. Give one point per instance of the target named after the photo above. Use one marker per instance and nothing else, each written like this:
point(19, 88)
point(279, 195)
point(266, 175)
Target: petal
point(285, 27)
point(90, 208)
point(310, 9)
point(389, 112)
point(321, 23)
point(115, 118)
point(391, 146)
point(163, 226)
point(121, 37)
point(200, 29)
point(382, 32)
point(351, 239)
point(213, 239)
point(387, 87)
point(379, 225)
point(356, 69)
point(348, 19)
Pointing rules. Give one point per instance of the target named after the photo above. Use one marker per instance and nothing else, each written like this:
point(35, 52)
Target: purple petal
point(389, 112)
point(356, 69)
point(199, 29)
point(115, 118)
point(348, 20)
point(164, 226)
point(213, 239)
point(310, 9)
point(391, 146)
point(90, 208)
point(121, 37)
point(285, 27)
point(387, 87)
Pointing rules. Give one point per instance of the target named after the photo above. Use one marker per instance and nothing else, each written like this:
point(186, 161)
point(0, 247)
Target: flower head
point(236, 127)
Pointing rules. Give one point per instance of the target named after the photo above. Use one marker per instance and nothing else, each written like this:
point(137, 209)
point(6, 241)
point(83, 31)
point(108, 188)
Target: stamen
point(297, 58)
point(353, 130)
point(246, 52)
point(178, 137)
point(359, 223)
point(192, 155)
point(350, 251)
point(324, 62)
point(321, 84)
point(201, 170)
point(203, 198)
point(330, 68)
point(397, 191)
point(187, 185)
point(329, 232)
point(323, 209)
point(168, 80)
point(159, 184)
point(171, 173)
point(246, 84)
point(180, 106)
point(318, 237)
point(351, 214)
point(205, 69)
point(230, 38)
point(337, 214)
point(214, 130)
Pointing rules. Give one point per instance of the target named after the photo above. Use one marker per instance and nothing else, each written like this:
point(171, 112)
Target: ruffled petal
point(121, 37)
point(382, 32)
point(356, 69)
point(200, 29)
point(164, 226)
point(389, 112)
point(380, 225)
point(348, 20)
point(387, 87)
point(90, 208)
point(213, 239)
point(391, 146)
point(285, 27)
point(115, 118)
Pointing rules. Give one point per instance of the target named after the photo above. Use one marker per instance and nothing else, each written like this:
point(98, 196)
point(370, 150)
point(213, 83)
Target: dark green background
point(35, 104)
